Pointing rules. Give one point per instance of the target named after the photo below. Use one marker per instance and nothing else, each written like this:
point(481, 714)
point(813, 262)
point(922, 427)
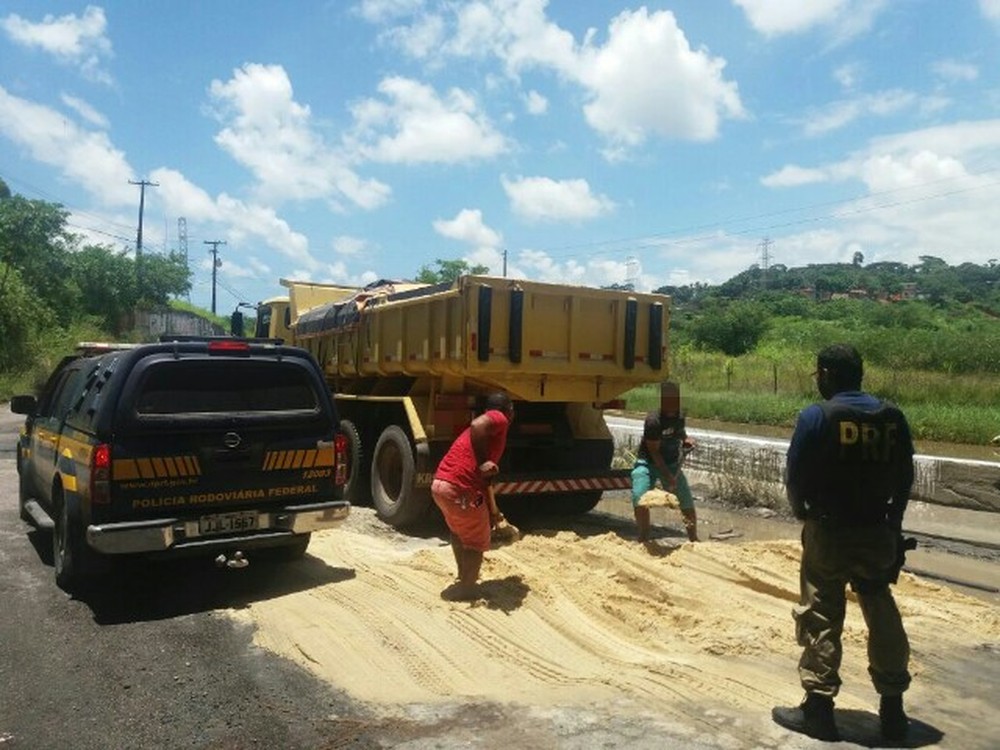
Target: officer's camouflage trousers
point(832, 557)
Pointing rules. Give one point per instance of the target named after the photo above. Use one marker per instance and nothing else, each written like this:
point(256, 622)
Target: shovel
point(503, 531)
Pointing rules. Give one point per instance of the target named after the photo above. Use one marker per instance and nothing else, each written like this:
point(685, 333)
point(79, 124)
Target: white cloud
point(85, 111)
point(775, 17)
point(990, 9)
point(421, 39)
point(843, 19)
point(953, 70)
point(839, 114)
point(545, 199)
point(413, 125)
point(794, 176)
point(468, 226)
point(272, 135)
point(72, 40)
point(346, 245)
point(380, 11)
point(181, 197)
point(687, 98)
point(535, 103)
point(242, 225)
point(85, 157)
point(247, 222)
point(847, 75)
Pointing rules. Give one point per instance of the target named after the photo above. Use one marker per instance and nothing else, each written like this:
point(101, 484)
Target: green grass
point(759, 390)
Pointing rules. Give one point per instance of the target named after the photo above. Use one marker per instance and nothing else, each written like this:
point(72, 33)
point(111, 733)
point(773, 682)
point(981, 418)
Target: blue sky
point(588, 141)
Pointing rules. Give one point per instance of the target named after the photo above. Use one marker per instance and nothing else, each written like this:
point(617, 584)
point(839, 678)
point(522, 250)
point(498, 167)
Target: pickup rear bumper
point(162, 534)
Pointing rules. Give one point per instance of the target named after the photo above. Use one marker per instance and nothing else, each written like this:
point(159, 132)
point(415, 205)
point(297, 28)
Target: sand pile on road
point(574, 618)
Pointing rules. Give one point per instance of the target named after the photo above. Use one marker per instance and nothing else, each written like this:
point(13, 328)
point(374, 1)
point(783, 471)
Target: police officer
point(848, 477)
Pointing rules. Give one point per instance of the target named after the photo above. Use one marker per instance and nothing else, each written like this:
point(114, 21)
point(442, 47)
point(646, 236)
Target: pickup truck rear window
point(200, 387)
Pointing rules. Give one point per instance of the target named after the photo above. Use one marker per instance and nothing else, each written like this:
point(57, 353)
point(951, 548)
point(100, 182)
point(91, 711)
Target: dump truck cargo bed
point(537, 341)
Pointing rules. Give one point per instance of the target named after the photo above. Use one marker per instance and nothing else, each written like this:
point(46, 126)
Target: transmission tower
point(765, 258)
point(631, 271)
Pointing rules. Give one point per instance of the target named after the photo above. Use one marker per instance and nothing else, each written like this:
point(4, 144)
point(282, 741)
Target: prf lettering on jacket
point(867, 441)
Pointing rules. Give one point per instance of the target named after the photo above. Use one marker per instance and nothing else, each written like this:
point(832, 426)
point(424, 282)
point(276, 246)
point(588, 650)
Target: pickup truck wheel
point(23, 496)
point(396, 499)
point(294, 551)
point(74, 562)
point(356, 490)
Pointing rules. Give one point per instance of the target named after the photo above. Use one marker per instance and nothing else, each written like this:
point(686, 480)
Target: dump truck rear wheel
point(577, 504)
point(396, 499)
point(356, 490)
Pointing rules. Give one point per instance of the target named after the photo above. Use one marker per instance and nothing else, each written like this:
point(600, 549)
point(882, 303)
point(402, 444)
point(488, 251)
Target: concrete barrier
point(954, 482)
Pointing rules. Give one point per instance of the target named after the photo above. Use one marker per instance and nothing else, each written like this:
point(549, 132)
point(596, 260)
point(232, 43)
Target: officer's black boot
point(894, 722)
point(814, 717)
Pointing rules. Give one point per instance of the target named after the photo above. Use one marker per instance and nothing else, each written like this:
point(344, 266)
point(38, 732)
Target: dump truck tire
point(576, 504)
point(396, 500)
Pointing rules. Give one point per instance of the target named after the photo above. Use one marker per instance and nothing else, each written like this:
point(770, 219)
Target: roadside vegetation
point(743, 351)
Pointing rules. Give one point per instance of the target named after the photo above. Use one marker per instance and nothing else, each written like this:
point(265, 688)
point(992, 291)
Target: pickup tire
point(74, 562)
point(296, 550)
point(357, 489)
point(397, 501)
point(23, 496)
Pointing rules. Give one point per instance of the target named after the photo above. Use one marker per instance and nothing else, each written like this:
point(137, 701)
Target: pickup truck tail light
point(340, 458)
point(100, 474)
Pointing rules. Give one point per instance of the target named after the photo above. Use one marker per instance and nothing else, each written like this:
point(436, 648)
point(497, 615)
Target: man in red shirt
point(459, 490)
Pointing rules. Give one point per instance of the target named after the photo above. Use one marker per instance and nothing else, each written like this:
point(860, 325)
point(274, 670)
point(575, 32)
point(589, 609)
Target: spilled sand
point(588, 617)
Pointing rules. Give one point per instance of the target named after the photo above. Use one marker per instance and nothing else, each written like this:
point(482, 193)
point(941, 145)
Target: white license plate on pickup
point(228, 523)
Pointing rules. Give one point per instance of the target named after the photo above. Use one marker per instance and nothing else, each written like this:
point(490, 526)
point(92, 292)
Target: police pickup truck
point(213, 445)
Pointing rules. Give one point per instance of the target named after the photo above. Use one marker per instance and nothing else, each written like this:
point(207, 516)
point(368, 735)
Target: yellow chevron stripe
point(124, 469)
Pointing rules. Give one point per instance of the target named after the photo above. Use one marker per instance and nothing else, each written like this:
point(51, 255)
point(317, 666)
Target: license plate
point(227, 523)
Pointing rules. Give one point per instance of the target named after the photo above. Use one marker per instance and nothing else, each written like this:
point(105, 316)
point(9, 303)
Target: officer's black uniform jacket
point(850, 462)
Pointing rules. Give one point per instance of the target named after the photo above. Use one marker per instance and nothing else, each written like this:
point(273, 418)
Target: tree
point(859, 258)
point(108, 287)
point(34, 242)
point(448, 270)
point(733, 329)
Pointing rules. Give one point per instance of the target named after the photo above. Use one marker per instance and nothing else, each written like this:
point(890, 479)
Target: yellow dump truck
point(410, 364)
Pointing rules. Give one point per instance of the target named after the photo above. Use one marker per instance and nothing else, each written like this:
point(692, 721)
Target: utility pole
point(505, 263)
point(138, 238)
point(215, 264)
